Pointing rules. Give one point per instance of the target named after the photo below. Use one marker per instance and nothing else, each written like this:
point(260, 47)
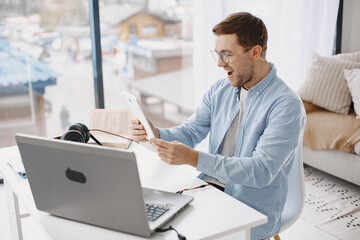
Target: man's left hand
point(175, 153)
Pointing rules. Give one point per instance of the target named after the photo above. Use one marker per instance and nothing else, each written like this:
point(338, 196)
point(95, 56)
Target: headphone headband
point(78, 132)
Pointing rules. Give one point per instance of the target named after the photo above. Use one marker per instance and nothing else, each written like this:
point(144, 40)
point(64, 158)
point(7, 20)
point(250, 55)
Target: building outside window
point(154, 42)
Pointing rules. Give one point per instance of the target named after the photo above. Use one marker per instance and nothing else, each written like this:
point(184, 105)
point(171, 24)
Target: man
point(254, 119)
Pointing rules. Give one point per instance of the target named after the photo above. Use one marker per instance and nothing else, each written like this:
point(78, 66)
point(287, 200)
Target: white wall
point(351, 28)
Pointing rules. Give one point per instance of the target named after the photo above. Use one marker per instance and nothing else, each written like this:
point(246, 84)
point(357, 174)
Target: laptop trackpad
point(165, 198)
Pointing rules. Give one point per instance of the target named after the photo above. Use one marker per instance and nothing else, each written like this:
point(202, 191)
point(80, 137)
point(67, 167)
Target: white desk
point(212, 215)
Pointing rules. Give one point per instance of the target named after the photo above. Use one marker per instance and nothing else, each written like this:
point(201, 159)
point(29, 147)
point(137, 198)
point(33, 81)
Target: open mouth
point(229, 73)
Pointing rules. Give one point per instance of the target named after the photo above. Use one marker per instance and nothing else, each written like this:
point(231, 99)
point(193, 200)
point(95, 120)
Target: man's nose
point(221, 63)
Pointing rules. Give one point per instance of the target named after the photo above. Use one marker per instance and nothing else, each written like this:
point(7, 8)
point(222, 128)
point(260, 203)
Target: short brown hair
point(250, 30)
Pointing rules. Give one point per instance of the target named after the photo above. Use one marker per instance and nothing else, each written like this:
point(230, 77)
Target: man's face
point(240, 68)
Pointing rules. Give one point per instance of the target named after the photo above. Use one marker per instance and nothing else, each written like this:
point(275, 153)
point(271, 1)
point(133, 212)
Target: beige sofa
point(332, 143)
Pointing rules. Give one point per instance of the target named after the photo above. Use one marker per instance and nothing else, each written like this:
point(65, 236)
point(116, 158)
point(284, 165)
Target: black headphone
point(78, 132)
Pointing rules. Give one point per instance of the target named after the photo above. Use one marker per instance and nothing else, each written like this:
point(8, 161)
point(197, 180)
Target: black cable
point(187, 189)
point(94, 138)
point(180, 236)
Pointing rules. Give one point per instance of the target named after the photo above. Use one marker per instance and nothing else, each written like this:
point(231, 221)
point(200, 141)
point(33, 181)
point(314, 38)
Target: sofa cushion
point(353, 57)
point(328, 130)
point(353, 79)
point(325, 83)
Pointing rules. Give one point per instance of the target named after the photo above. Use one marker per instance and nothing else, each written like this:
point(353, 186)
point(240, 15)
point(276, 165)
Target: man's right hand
point(138, 132)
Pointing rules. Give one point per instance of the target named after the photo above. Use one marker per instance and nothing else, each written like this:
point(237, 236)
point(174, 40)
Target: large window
point(46, 80)
point(46, 71)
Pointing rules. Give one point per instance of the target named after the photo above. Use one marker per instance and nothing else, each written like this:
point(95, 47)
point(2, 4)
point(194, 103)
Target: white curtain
point(296, 29)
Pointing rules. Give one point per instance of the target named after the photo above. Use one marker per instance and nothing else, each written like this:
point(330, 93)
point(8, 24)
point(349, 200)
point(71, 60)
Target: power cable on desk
point(180, 236)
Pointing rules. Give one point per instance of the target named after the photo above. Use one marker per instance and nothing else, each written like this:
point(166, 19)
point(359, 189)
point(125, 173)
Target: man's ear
point(256, 52)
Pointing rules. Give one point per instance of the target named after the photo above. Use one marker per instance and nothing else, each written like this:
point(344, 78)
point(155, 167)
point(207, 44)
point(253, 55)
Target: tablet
point(138, 113)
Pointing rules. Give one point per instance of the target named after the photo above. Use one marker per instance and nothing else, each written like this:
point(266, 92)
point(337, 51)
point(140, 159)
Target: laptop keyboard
point(154, 211)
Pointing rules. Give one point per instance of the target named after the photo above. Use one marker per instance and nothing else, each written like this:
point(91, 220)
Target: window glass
point(151, 56)
point(46, 77)
point(149, 30)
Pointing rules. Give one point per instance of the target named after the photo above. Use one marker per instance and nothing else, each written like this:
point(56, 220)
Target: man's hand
point(138, 132)
point(175, 153)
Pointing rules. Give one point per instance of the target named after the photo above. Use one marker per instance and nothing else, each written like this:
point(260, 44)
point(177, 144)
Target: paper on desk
point(116, 121)
point(112, 120)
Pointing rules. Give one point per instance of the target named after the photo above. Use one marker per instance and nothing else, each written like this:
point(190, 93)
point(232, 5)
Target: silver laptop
point(94, 184)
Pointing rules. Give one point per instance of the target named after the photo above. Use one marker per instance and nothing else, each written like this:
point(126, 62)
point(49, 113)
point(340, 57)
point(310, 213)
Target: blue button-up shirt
point(270, 130)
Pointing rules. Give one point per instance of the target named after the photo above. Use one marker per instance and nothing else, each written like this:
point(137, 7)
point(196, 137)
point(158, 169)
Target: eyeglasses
point(224, 56)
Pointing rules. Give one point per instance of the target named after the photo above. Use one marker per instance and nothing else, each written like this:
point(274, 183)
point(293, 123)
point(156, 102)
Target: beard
point(243, 76)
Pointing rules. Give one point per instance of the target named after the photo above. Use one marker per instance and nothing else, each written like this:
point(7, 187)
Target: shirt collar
point(265, 82)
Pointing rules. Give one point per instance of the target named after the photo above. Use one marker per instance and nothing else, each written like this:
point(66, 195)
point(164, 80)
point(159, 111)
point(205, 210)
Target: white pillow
point(325, 84)
point(353, 80)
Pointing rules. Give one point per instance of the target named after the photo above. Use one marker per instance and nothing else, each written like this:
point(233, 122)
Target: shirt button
point(228, 119)
point(257, 93)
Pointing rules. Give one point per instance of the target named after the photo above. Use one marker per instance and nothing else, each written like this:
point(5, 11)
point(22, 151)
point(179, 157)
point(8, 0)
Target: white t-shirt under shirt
point(229, 141)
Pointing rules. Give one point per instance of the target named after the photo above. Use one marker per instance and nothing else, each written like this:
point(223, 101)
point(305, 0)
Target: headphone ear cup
point(73, 135)
point(83, 129)
point(86, 131)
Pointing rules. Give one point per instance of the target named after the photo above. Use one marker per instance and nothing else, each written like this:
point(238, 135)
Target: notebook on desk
point(94, 184)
